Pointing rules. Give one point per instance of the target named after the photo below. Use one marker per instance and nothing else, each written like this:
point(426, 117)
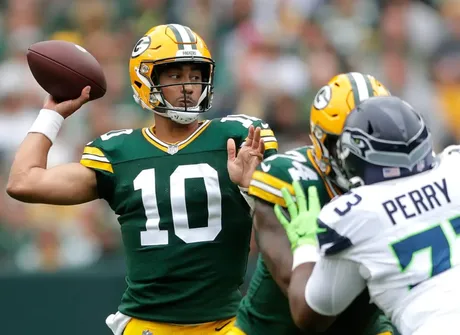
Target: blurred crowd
point(272, 56)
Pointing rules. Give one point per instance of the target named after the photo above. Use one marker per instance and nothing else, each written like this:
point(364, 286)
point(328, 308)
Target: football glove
point(301, 227)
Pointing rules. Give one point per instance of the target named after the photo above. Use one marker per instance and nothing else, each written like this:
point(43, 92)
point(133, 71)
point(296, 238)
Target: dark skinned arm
point(273, 244)
point(304, 317)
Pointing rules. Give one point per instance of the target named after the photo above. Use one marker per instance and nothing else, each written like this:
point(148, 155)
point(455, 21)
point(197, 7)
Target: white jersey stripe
point(184, 35)
point(361, 84)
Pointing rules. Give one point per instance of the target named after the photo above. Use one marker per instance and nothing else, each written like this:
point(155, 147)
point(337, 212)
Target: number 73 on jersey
point(439, 243)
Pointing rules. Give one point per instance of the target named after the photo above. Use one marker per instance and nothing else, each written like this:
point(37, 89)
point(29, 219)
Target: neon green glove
point(302, 228)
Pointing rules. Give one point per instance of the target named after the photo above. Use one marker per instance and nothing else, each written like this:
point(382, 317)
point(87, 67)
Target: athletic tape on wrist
point(48, 123)
point(305, 254)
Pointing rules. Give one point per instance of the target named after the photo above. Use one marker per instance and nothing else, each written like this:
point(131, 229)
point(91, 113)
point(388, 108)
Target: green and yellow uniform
point(265, 309)
point(185, 225)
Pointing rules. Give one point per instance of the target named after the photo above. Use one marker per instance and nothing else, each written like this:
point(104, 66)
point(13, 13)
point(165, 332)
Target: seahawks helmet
point(384, 138)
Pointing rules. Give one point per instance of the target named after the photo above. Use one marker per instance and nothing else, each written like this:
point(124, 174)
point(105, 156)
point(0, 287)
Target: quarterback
point(178, 188)
point(265, 308)
point(396, 232)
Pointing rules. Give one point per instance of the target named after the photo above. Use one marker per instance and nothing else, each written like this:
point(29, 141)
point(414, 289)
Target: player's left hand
point(242, 164)
point(302, 227)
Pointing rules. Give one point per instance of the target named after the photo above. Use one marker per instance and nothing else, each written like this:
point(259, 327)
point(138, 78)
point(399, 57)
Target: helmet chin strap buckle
point(322, 166)
point(153, 99)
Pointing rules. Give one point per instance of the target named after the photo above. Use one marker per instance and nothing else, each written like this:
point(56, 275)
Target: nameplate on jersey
point(417, 201)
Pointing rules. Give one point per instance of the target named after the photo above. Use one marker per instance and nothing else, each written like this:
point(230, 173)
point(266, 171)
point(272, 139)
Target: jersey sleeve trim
point(270, 143)
point(94, 158)
point(97, 165)
point(268, 136)
point(266, 133)
point(330, 241)
point(93, 151)
point(268, 188)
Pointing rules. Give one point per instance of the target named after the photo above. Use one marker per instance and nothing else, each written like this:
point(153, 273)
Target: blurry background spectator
point(272, 56)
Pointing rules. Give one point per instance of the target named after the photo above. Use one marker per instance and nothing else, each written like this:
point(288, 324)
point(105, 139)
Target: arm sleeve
point(333, 286)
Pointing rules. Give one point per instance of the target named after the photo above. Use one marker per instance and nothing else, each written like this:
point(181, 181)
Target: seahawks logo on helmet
point(142, 45)
point(323, 97)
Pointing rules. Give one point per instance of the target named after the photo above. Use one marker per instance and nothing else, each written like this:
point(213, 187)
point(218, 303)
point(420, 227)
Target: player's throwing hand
point(67, 108)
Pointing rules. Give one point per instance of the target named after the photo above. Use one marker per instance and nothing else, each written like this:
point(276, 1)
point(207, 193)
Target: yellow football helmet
point(329, 110)
point(163, 45)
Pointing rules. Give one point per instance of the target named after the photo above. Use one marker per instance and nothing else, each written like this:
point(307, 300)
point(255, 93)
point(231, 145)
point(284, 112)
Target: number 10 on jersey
point(146, 183)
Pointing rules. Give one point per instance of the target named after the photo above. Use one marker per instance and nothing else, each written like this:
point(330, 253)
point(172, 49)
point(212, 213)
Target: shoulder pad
point(449, 158)
point(452, 149)
point(279, 171)
point(241, 124)
point(100, 153)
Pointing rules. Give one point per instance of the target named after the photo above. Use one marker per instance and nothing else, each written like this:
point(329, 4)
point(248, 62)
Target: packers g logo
point(323, 97)
point(142, 45)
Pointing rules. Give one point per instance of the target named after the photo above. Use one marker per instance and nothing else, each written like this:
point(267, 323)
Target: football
point(63, 69)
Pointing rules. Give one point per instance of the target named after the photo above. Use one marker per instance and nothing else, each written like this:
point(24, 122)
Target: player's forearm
point(29, 163)
point(273, 244)
point(278, 262)
point(304, 281)
point(296, 293)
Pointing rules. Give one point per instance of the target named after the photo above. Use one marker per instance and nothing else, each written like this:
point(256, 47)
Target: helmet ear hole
point(370, 129)
point(138, 84)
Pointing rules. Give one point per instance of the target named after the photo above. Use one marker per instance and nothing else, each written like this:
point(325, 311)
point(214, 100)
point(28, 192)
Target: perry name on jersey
point(185, 226)
point(404, 234)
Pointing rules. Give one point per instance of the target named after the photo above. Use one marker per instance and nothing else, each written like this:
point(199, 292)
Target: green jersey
point(185, 226)
point(265, 309)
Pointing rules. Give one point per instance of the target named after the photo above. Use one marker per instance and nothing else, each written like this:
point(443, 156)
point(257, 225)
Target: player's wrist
point(308, 240)
point(48, 123)
point(306, 253)
point(304, 240)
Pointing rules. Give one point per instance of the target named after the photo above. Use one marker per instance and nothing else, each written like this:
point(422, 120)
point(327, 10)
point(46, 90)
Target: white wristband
point(305, 254)
point(48, 123)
